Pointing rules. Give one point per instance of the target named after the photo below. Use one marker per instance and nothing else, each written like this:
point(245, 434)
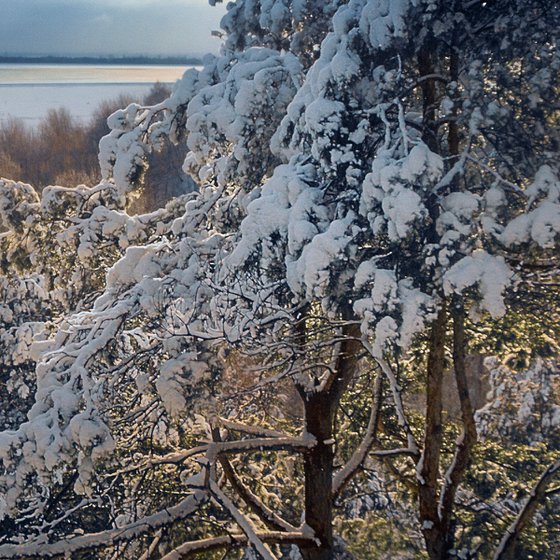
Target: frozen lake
point(28, 91)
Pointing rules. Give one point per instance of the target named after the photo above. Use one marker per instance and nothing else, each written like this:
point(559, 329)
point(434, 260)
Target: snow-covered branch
point(109, 537)
point(246, 525)
point(396, 391)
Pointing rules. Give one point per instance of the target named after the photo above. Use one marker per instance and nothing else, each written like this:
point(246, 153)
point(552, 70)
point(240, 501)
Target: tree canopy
point(293, 360)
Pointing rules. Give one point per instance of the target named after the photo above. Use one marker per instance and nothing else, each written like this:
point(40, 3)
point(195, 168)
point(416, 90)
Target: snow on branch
point(109, 537)
point(213, 450)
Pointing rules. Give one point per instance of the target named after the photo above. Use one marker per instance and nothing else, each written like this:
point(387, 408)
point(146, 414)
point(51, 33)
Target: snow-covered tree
point(378, 195)
point(421, 189)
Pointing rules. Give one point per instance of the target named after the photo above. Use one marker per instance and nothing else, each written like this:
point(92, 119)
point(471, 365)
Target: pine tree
point(378, 196)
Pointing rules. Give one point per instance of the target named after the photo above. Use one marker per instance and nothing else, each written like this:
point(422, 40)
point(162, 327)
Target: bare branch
point(110, 537)
point(189, 549)
point(152, 548)
point(344, 475)
point(506, 548)
point(244, 522)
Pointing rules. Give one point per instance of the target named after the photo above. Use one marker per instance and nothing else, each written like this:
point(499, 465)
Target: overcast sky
point(101, 27)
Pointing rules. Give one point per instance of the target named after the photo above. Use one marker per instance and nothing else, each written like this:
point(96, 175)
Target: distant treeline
point(109, 60)
point(63, 151)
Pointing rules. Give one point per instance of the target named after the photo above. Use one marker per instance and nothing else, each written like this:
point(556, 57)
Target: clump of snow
point(393, 310)
point(311, 272)
point(174, 376)
point(540, 224)
point(138, 263)
point(390, 199)
point(489, 274)
point(384, 20)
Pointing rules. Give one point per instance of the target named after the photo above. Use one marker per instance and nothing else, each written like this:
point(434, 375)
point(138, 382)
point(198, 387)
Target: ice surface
point(32, 102)
point(29, 91)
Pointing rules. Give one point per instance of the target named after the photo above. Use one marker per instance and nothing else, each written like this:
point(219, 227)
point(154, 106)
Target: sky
point(108, 27)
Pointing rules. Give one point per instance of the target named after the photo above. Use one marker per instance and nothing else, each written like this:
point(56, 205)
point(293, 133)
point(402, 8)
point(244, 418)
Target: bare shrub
point(63, 151)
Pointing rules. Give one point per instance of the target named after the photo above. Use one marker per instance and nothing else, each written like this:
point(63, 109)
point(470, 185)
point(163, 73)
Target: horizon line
point(108, 57)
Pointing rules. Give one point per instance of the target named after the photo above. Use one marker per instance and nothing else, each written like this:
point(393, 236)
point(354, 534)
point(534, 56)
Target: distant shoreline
point(80, 85)
point(109, 61)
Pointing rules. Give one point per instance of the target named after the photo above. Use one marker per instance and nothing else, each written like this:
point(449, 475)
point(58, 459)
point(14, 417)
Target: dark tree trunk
point(319, 415)
point(434, 533)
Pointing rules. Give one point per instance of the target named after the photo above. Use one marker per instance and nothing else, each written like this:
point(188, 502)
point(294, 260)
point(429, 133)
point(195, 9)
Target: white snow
point(489, 273)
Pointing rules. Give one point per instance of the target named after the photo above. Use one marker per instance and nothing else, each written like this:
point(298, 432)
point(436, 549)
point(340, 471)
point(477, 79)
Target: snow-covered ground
point(29, 91)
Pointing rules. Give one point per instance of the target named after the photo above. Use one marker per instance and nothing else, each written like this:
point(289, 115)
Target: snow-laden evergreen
point(378, 191)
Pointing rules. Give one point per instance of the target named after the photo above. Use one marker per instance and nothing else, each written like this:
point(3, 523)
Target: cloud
point(108, 26)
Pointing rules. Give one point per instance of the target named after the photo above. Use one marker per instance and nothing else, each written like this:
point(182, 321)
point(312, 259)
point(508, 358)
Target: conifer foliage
point(282, 364)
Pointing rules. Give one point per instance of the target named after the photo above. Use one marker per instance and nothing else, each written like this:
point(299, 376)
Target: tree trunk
point(318, 464)
point(432, 529)
point(320, 413)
